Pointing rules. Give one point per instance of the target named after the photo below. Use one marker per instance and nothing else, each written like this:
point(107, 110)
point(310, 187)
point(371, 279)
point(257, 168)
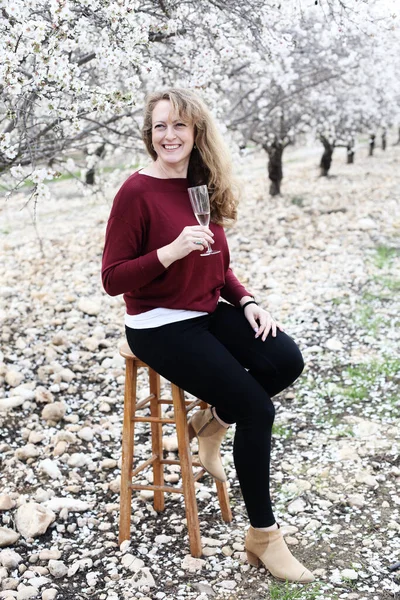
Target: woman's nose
point(170, 133)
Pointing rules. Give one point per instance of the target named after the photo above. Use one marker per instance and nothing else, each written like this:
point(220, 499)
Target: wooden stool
point(181, 408)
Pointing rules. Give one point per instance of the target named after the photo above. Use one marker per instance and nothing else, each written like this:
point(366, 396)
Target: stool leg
point(223, 499)
point(156, 439)
point(127, 451)
point(186, 471)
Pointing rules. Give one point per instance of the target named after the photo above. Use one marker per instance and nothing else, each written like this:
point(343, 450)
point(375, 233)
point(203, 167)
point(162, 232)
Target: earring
point(195, 147)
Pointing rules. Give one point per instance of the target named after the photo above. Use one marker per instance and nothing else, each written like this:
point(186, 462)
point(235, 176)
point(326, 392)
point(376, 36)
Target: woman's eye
point(181, 124)
point(159, 126)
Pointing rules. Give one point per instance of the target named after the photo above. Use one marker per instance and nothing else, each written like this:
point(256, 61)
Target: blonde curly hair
point(210, 161)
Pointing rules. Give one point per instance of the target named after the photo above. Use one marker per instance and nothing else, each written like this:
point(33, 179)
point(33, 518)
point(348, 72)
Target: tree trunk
point(90, 175)
point(275, 171)
point(371, 144)
point(326, 159)
point(350, 151)
point(384, 140)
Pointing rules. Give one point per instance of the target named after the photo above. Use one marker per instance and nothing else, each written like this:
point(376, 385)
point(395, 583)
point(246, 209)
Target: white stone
point(50, 554)
point(174, 478)
point(142, 577)
point(163, 539)
point(146, 494)
point(132, 563)
point(33, 519)
point(43, 395)
point(170, 444)
point(296, 506)
point(206, 541)
point(349, 574)
point(71, 504)
point(27, 451)
point(50, 468)
point(291, 541)
point(312, 525)
point(227, 551)
point(91, 343)
point(14, 377)
point(78, 459)
point(8, 583)
point(229, 584)
point(210, 551)
point(289, 529)
point(334, 344)
point(11, 402)
point(10, 559)
point(91, 579)
point(356, 500)
point(302, 485)
point(39, 581)
point(35, 437)
point(67, 375)
point(22, 390)
point(50, 594)
point(86, 433)
point(6, 502)
point(366, 224)
point(238, 546)
point(89, 306)
point(348, 452)
point(57, 568)
point(108, 463)
point(54, 411)
point(125, 545)
point(367, 478)
point(26, 591)
point(8, 536)
point(192, 564)
point(282, 242)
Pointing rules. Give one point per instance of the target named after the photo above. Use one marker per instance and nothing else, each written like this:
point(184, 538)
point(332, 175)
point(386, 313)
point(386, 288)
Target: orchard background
point(307, 95)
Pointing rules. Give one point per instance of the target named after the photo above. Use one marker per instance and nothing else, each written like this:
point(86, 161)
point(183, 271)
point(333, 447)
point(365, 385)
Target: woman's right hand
point(190, 239)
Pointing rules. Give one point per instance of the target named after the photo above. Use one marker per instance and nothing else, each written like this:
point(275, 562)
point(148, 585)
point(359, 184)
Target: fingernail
point(256, 329)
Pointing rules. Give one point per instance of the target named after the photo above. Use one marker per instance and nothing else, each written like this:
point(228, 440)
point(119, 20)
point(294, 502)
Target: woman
point(232, 354)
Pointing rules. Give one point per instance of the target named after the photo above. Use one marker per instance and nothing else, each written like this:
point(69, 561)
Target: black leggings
point(217, 358)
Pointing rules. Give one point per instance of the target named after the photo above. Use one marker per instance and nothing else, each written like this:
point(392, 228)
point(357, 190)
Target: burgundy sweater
point(149, 213)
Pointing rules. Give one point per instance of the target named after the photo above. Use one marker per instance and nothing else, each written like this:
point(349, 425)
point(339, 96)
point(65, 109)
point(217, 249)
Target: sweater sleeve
point(124, 269)
point(233, 291)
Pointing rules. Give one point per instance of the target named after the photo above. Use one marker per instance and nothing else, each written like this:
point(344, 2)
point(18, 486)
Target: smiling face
point(172, 137)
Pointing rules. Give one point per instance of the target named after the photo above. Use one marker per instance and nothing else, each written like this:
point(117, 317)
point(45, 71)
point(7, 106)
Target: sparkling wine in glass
point(200, 202)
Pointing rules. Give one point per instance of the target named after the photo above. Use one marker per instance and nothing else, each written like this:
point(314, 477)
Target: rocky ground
point(325, 258)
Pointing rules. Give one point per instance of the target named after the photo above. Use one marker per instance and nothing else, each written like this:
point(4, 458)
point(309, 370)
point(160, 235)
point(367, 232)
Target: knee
point(293, 363)
point(297, 363)
point(263, 414)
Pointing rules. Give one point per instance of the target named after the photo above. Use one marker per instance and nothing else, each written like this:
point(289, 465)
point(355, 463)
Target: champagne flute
point(200, 202)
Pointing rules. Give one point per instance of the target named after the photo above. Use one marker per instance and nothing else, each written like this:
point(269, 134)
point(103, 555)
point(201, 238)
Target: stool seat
point(157, 461)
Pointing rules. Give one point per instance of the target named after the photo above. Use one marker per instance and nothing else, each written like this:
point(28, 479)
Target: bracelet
point(249, 302)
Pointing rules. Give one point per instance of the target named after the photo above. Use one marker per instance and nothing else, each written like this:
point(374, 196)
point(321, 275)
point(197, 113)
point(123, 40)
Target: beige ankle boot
point(269, 548)
point(210, 434)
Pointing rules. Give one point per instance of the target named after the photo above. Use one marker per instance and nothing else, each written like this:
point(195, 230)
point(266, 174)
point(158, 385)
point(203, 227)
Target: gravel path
point(325, 258)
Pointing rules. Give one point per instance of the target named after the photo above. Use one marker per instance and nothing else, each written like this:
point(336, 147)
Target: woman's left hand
point(261, 321)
